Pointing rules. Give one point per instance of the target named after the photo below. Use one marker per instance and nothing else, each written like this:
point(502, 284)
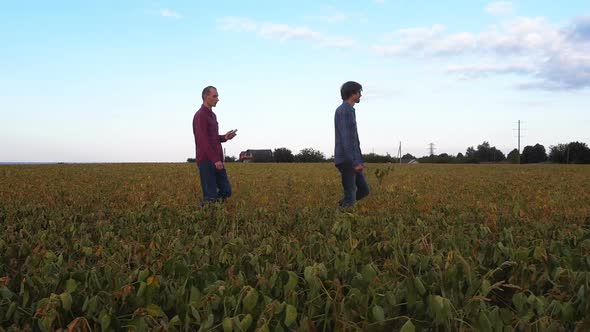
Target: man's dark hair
point(206, 91)
point(349, 88)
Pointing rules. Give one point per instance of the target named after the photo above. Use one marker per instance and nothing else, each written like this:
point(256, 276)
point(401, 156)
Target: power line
point(431, 148)
point(519, 137)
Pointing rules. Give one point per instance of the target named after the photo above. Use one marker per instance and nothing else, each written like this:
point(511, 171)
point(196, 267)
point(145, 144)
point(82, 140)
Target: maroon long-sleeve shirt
point(207, 138)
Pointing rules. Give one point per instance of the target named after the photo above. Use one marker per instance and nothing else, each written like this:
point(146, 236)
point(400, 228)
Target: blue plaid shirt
point(348, 147)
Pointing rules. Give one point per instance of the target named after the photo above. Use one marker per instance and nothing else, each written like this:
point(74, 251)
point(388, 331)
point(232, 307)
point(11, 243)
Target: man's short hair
point(206, 90)
point(349, 88)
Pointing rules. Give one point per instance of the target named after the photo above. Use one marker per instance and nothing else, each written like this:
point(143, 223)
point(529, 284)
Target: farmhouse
point(256, 156)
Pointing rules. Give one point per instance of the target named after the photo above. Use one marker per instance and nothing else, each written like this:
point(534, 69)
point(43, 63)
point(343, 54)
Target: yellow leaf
point(153, 280)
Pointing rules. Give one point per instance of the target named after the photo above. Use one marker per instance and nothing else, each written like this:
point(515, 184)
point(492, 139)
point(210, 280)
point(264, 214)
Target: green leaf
point(139, 324)
point(71, 285)
point(46, 323)
point(250, 300)
point(291, 283)
point(66, 301)
point(369, 273)
point(378, 313)
point(195, 314)
point(519, 301)
point(246, 322)
point(408, 327)
point(141, 290)
point(391, 298)
point(308, 274)
point(484, 322)
point(208, 323)
point(105, 321)
point(540, 253)
point(290, 314)
point(567, 312)
point(227, 324)
point(279, 308)
point(263, 328)
point(439, 302)
point(11, 310)
point(485, 287)
point(154, 310)
point(175, 321)
point(419, 286)
point(6, 293)
point(195, 296)
point(142, 275)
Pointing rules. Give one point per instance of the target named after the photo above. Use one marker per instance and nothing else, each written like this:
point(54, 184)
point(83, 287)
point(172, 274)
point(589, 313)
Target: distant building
point(258, 156)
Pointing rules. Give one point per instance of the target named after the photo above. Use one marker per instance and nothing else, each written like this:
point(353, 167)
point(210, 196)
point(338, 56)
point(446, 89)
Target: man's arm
point(357, 154)
point(215, 148)
point(344, 123)
point(206, 140)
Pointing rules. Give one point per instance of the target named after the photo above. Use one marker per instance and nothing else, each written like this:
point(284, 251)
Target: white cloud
point(238, 24)
point(523, 34)
point(411, 41)
point(334, 17)
point(169, 13)
point(284, 32)
point(500, 8)
point(579, 30)
point(554, 58)
point(374, 93)
point(482, 70)
point(330, 14)
point(564, 71)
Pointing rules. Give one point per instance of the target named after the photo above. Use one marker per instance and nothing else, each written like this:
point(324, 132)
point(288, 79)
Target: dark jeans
point(214, 182)
point(354, 184)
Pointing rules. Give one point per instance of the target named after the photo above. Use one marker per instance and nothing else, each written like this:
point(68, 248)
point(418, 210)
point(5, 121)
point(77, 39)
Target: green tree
point(408, 156)
point(444, 158)
point(485, 153)
point(309, 155)
point(460, 158)
point(557, 153)
point(513, 156)
point(571, 153)
point(471, 155)
point(376, 158)
point(579, 153)
point(283, 155)
point(533, 154)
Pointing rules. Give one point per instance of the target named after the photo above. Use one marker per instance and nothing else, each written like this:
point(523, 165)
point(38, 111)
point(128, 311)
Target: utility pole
point(519, 141)
point(431, 148)
point(519, 136)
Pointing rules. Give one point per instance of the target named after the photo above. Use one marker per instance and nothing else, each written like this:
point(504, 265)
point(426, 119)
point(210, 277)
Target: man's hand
point(230, 134)
point(359, 168)
point(219, 165)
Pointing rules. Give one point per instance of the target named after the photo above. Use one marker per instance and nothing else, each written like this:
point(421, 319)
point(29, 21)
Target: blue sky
point(114, 81)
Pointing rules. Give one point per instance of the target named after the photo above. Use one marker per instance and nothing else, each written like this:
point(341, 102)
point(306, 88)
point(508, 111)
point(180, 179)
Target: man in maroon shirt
point(214, 181)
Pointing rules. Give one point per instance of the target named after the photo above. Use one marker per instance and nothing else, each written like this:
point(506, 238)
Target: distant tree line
point(570, 153)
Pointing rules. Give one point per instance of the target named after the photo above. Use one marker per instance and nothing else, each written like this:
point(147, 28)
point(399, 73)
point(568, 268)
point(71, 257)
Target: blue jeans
point(354, 184)
point(214, 182)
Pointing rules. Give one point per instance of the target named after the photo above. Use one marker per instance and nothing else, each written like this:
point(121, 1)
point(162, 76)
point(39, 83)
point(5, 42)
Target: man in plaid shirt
point(209, 155)
point(347, 152)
